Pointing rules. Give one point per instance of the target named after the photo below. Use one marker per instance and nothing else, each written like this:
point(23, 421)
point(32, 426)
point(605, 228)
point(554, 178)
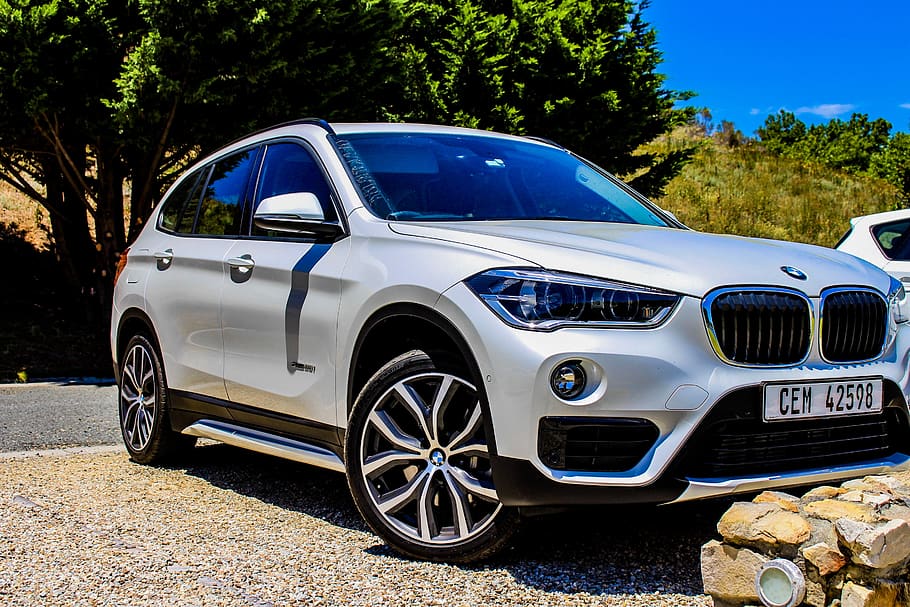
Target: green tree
point(781, 132)
point(849, 145)
point(96, 95)
point(859, 145)
point(581, 73)
point(893, 162)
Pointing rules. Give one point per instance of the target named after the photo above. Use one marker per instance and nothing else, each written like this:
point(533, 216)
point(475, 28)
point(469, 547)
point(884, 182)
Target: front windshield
point(442, 177)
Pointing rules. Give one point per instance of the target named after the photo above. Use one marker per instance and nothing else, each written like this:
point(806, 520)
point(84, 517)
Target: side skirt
point(257, 429)
point(264, 442)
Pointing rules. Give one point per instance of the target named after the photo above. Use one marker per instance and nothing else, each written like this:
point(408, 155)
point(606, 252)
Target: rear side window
point(894, 239)
point(179, 209)
point(222, 201)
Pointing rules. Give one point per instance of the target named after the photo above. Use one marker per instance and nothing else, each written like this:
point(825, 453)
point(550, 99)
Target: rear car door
point(280, 304)
point(199, 224)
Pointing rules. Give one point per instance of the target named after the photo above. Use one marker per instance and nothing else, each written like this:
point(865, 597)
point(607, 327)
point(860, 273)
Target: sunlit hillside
point(746, 191)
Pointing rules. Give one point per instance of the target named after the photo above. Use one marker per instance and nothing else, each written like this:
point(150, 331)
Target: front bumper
point(669, 376)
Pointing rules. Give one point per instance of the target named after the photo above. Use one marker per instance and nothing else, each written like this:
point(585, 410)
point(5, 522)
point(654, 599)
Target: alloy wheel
point(138, 397)
point(425, 461)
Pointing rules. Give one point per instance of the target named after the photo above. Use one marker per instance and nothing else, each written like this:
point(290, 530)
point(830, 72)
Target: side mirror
point(295, 213)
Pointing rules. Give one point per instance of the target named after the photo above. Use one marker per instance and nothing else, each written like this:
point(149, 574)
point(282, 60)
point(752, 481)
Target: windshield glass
point(435, 177)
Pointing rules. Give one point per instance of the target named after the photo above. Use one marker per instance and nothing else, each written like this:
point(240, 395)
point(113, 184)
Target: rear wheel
point(144, 420)
point(418, 463)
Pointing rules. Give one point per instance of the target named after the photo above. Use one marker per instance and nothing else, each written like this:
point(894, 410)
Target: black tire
point(143, 406)
point(425, 487)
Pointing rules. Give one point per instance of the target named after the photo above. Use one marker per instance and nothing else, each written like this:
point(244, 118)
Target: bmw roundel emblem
point(793, 272)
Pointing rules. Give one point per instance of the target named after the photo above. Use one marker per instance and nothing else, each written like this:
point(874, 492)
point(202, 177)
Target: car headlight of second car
point(898, 308)
point(544, 300)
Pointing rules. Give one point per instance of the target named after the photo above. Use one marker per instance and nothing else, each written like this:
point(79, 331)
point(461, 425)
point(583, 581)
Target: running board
point(263, 442)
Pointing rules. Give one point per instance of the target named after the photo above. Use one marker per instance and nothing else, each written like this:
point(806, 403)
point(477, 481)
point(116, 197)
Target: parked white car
point(882, 239)
point(473, 325)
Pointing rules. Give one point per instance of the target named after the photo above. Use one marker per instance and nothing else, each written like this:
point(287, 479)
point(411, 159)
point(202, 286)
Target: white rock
point(876, 546)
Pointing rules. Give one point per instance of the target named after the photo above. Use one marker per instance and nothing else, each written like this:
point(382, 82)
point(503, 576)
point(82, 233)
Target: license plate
point(792, 401)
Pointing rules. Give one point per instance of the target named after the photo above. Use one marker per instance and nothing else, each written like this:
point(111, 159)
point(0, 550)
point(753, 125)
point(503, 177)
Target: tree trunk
point(110, 236)
point(70, 230)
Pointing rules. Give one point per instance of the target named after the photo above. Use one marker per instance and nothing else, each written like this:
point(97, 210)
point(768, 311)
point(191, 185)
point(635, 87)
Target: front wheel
point(418, 463)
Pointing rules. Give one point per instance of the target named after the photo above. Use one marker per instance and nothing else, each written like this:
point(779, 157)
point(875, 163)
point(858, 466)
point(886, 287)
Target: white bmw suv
point(470, 324)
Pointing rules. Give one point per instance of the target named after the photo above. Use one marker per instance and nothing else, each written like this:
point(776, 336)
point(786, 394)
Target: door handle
point(164, 258)
point(244, 263)
point(241, 268)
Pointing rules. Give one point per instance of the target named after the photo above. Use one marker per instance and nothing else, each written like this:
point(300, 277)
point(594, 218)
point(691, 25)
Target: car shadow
point(272, 480)
point(606, 550)
point(611, 550)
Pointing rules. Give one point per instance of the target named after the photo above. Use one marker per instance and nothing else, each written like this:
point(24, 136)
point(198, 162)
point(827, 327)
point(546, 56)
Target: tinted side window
point(289, 168)
point(894, 239)
point(222, 202)
point(180, 207)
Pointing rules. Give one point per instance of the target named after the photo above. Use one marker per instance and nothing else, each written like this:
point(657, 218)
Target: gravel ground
point(87, 528)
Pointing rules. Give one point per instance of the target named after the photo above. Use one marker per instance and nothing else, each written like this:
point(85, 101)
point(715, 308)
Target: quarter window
point(179, 210)
point(222, 202)
point(894, 239)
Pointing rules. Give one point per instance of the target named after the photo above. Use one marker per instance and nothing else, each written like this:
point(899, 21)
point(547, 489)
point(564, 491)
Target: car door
point(183, 294)
point(280, 304)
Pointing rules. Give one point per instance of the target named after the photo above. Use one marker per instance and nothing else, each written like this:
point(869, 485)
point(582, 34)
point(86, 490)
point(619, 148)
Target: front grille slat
point(761, 327)
point(853, 325)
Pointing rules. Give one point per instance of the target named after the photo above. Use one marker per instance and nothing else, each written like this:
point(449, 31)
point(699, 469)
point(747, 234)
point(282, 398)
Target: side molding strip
point(300, 285)
point(263, 442)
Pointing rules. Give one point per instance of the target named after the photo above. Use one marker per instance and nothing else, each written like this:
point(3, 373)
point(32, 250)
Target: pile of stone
point(852, 544)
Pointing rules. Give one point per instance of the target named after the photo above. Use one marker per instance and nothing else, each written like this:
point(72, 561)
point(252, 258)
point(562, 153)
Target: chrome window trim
point(821, 321)
point(712, 333)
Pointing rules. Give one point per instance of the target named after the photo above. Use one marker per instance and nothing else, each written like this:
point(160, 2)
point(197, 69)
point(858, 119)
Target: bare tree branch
point(73, 175)
point(14, 173)
point(159, 151)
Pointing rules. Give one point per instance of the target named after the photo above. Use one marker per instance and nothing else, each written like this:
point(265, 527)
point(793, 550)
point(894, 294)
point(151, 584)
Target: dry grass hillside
point(749, 192)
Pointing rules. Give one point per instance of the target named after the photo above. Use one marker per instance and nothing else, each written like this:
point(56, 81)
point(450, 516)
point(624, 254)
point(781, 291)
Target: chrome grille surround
point(760, 299)
point(868, 309)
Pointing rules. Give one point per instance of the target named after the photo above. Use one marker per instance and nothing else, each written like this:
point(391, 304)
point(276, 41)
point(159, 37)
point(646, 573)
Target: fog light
point(780, 583)
point(568, 380)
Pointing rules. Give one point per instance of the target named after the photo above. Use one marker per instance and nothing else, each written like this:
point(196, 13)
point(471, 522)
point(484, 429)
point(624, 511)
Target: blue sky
point(820, 59)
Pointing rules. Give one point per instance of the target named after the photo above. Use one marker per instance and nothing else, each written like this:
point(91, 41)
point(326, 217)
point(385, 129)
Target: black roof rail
point(310, 120)
point(315, 121)
point(545, 140)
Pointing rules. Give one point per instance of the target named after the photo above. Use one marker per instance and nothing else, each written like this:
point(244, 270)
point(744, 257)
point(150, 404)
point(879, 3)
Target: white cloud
point(827, 110)
point(754, 111)
point(906, 106)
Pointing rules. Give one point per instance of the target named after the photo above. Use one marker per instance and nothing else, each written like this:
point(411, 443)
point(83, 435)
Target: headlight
point(897, 302)
point(898, 312)
point(541, 300)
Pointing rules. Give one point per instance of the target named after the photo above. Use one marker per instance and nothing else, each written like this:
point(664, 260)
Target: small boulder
point(896, 511)
point(833, 510)
point(826, 559)
point(855, 595)
point(748, 523)
point(824, 492)
point(784, 500)
point(877, 546)
point(728, 573)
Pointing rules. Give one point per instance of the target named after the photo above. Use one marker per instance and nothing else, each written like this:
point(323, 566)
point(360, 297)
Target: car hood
point(679, 260)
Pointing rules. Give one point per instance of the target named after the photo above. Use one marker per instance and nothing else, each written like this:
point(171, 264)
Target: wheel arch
point(399, 328)
point(132, 322)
